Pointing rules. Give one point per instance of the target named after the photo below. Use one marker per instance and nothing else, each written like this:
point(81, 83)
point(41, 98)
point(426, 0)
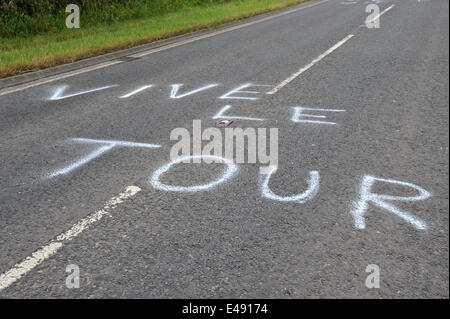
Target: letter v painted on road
point(58, 93)
point(176, 88)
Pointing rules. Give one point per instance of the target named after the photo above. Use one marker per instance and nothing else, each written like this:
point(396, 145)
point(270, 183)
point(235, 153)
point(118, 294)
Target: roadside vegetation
point(33, 33)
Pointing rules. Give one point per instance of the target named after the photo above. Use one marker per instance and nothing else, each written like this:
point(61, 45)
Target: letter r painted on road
point(366, 196)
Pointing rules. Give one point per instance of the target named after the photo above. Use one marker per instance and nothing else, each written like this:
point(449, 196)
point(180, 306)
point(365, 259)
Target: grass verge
point(23, 54)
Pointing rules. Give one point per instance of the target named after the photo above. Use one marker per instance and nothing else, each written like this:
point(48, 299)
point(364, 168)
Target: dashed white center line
point(323, 55)
point(308, 66)
point(380, 14)
point(45, 252)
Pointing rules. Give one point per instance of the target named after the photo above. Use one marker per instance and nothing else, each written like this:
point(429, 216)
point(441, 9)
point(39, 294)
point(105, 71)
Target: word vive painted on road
point(241, 92)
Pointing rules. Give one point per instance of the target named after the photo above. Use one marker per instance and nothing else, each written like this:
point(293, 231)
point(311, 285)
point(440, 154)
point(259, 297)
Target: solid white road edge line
point(45, 252)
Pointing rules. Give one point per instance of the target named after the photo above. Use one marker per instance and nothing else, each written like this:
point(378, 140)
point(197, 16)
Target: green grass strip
point(19, 55)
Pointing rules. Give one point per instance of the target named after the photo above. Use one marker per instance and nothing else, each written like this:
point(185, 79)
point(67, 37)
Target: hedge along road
point(80, 156)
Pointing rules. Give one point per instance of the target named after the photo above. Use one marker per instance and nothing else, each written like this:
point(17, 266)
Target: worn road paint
point(308, 66)
point(142, 88)
point(106, 146)
point(298, 113)
point(229, 94)
point(56, 77)
point(366, 196)
point(230, 170)
point(45, 252)
point(313, 187)
point(176, 88)
point(57, 94)
point(220, 115)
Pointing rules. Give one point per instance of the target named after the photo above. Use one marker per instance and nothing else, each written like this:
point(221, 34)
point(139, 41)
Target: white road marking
point(176, 88)
point(108, 145)
point(94, 154)
point(366, 196)
point(220, 115)
point(379, 15)
point(115, 142)
point(45, 252)
point(308, 66)
point(313, 187)
point(298, 114)
point(229, 171)
point(57, 95)
point(142, 88)
point(56, 77)
point(229, 94)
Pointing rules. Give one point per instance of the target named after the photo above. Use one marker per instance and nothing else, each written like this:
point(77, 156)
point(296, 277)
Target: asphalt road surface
point(366, 183)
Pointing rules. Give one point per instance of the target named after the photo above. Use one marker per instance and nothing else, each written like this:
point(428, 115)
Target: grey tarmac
point(230, 241)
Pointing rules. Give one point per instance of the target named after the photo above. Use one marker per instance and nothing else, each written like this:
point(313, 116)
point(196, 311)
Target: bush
point(28, 17)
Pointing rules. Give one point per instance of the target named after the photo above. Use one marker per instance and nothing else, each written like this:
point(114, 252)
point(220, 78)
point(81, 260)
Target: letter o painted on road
point(229, 171)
